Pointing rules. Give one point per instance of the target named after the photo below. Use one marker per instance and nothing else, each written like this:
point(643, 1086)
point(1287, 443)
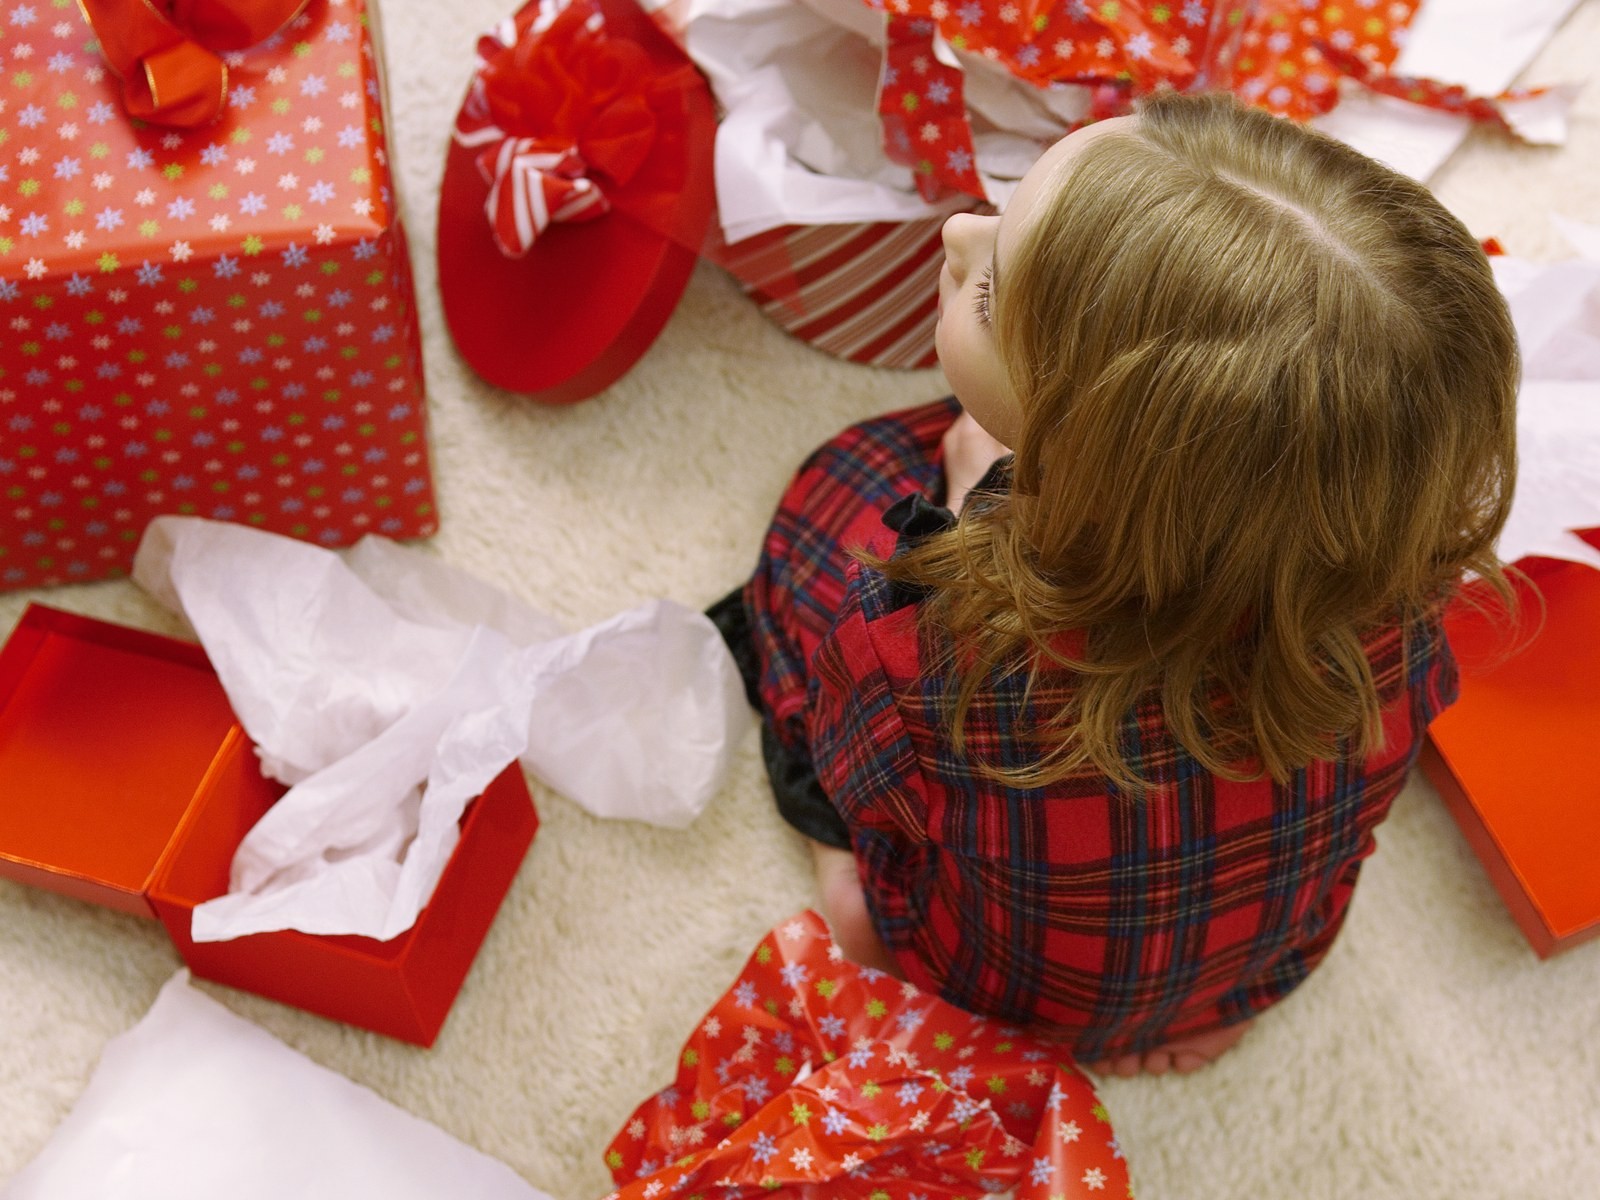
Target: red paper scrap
point(814, 1077)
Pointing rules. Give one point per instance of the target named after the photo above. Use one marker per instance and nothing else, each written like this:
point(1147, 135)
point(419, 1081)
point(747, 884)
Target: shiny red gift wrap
point(818, 1078)
point(214, 321)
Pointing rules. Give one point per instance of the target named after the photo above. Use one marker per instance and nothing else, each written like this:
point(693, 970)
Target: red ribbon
point(565, 118)
point(168, 52)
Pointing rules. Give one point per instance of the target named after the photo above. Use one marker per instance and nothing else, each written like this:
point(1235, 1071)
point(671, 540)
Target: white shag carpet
point(1432, 1056)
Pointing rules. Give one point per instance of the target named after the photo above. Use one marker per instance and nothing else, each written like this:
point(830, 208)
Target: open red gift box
point(125, 780)
point(1513, 758)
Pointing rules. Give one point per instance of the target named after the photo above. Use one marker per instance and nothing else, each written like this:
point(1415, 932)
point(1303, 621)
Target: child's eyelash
point(982, 302)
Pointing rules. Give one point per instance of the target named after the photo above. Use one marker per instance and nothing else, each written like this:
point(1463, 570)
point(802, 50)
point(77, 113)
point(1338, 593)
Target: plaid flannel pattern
point(1114, 922)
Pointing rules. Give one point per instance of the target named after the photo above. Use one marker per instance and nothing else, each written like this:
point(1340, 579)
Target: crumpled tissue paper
point(388, 693)
point(1556, 309)
point(194, 1102)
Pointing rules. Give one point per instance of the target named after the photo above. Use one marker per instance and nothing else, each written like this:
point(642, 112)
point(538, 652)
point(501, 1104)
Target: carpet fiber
point(1432, 1056)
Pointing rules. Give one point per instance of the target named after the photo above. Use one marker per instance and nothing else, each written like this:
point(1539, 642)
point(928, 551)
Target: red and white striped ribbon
point(531, 185)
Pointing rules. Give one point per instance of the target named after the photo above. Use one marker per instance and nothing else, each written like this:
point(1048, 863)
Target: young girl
point(1102, 755)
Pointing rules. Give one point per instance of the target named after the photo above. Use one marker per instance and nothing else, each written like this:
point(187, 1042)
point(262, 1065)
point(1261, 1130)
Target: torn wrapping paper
point(1556, 308)
point(812, 1076)
point(969, 94)
point(194, 1103)
point(387, 726)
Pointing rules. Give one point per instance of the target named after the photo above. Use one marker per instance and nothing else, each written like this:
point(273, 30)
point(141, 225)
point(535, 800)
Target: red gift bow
point(167, 52)
point(549, 107)
point(826, 1079)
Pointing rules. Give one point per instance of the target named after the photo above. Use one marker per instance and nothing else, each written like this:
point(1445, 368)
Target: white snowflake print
point(1094, 1179)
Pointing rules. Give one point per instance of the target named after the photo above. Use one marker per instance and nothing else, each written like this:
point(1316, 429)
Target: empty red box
point(1514, 758)
point(126, 781)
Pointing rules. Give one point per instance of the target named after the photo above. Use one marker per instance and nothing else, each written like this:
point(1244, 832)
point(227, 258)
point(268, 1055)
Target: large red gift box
point(216, 321)
point(126, 781)
point(1513, 758)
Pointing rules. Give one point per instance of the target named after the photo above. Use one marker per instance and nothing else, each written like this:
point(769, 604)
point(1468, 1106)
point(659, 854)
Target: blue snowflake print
point(764, 1149)
point(834, 1122)
point(1040, 1171)
point(970, 14)
point(745, 994)
point(938, 92)
point(793, 975)
point(295, 255)
point(959, 161)
point(79, 285)
point(832, 1026)
point(756, 1090)
point(225, 267)
point(910, 1093)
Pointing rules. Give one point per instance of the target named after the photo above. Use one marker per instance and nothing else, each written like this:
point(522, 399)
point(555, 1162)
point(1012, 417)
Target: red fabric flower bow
point(566, 118)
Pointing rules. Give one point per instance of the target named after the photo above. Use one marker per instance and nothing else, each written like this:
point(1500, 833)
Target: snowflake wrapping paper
point(1272, 53)
point(215, 322)
point(814, 1077)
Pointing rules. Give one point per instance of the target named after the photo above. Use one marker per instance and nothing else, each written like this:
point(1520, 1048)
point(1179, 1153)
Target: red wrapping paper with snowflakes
point(1286, 56)
point(813, 1077)
point(216, 321)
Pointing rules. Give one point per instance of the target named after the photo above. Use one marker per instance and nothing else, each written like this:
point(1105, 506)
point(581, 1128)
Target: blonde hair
point(1267, 393)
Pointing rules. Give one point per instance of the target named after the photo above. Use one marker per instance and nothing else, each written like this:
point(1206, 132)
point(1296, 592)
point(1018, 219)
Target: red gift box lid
point(1514, 755)
point(105, 735)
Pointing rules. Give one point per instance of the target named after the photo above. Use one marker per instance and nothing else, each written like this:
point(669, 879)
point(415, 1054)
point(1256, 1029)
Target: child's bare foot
point(845, 907)
point(1181, 1056)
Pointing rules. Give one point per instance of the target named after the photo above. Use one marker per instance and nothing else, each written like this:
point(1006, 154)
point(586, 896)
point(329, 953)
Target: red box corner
point(1513, 757)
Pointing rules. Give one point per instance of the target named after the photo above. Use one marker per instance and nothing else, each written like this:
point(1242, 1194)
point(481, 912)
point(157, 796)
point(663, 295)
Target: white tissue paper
point(194, 1103)
point(1556, 309)
point(391, 691)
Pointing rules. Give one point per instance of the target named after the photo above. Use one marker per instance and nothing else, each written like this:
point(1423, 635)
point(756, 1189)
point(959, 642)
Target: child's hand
point(969, 452)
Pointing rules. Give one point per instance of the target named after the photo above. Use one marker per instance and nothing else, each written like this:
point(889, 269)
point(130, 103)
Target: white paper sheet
point(391, 698)
point(1482, 44)
point(1556, 308)
point(195, 1103)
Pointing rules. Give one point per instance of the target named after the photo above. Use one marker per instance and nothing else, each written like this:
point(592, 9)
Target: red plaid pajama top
point(1115, 922)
